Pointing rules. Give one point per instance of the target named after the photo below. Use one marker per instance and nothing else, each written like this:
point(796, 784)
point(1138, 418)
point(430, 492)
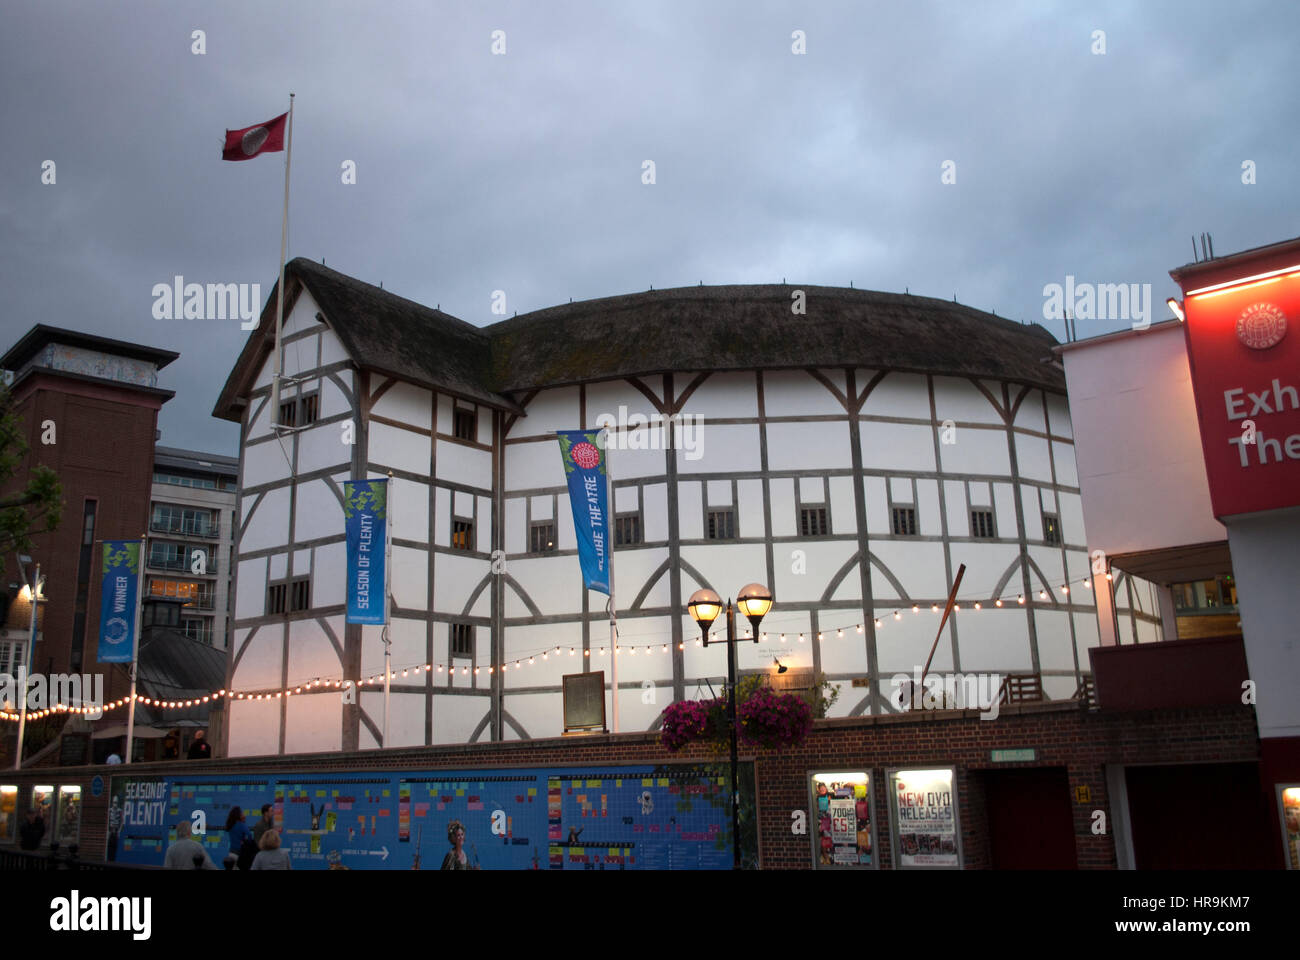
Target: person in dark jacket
point(200, 749)
point(32, 832)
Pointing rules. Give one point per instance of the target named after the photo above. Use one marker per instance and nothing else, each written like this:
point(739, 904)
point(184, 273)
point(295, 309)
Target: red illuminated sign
point(1243, 344)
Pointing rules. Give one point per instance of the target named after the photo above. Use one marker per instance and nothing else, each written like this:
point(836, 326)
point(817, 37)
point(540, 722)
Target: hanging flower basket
point(769, 719)
point(692, 721)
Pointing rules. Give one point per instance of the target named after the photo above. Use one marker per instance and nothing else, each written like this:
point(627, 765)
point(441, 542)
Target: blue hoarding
point(557, 818)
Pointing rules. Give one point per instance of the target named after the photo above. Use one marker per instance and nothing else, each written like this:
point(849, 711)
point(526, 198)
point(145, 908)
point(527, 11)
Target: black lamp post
point(754, 601)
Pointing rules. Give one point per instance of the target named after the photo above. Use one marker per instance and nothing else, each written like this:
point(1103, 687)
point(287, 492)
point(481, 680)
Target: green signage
point(1027, 755)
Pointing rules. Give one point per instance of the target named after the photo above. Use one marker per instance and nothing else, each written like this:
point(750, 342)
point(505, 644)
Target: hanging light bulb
point(997, 602)
point(1020, 599)
point(859, 628)
point(977, 605)
point(1087, 584)
point(1042, 594)
point(1108, 575)
point(840, 633)
point(897, 615)
point(571, 651)
point(934, 608)
point(681, 646)
point(763, 637)
point(819, 636)
point(1065, 588)
point(665, 650)
point(783, 638)
point(915, 608)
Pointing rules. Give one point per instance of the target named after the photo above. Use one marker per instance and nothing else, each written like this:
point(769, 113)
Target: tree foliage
point(33, 509)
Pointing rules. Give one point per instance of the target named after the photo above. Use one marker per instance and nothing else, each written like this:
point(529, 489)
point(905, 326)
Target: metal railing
point(57, 858)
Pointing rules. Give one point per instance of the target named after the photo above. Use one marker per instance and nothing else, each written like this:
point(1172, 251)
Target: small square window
point(627, 529)
point(288, 413)
point(981, 524)
point(812, 521)
point(276, 595)
point(462, 640)
point(462, 534)
point(301, 594)
point(904, 521)
point(465, 424)
point(722, 524)
point(541, 537)
point(1051, 528)
point(310, 409)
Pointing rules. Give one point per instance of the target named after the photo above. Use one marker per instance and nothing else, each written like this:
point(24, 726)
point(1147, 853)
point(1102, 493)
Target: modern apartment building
point(191, 529)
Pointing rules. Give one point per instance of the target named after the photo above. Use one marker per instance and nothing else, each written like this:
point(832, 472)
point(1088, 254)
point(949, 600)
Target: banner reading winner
point(365, 517)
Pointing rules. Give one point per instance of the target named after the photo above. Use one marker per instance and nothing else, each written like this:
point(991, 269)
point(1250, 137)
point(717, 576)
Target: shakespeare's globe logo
point(586, 455)
point(253, 139)
point(1261, 325)
point(116, 630)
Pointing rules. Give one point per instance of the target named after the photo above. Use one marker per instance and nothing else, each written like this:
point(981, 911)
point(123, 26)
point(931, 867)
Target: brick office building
point(97, 400)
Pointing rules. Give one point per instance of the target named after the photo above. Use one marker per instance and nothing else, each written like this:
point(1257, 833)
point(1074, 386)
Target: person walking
point(185, 853)
point(271, 856)
point(266, 823)
point(238, 832)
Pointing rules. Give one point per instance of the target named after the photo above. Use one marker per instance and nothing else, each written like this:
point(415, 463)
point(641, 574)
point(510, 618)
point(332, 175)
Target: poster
point(8, 812)
point(67, 824)
point(1291, 825)
point(925, 818)
point(671, 817)
point(841, 810)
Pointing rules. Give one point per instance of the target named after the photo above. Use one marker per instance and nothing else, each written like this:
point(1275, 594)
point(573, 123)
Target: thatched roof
point(683, 329)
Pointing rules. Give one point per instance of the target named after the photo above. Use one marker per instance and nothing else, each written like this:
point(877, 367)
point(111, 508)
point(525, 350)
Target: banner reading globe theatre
point(365, 519)
point(584, 467)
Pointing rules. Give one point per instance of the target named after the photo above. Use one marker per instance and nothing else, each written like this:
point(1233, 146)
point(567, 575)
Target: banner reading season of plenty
point(365, 518)
point(584, 467)
point(117, 600)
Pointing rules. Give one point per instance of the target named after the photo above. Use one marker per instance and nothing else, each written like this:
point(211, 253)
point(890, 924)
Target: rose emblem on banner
point(1261, 325)
point(585, 455)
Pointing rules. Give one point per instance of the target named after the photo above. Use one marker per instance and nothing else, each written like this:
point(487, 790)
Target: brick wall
point(1062, 736)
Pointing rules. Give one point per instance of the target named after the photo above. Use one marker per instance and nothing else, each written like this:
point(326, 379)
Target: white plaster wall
point(723, 448)
point(897, 395)
point(959, 401)
point(795, 393)
point(976, 451)
point(725, 395)
point(549, 411)
point(254, 728)
point(805, 446)
point(897, 446)
point(458, 463)
point(536, 465)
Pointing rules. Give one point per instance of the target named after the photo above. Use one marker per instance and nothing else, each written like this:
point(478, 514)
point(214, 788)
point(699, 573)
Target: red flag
point(253, 141)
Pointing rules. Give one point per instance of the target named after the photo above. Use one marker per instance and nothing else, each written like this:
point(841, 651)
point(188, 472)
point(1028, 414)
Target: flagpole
point(613, 617)
point(279, 287)
point(135, 650)
point(388, 595)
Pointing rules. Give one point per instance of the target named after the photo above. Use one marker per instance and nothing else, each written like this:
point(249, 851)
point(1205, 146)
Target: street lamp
point(754, 600)
point(34, 593)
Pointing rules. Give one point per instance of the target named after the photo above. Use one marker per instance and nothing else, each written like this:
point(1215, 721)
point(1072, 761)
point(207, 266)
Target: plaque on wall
point(73, 748)
point(584, 701)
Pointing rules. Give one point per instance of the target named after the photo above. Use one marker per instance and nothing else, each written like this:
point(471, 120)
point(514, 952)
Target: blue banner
point(117, 600)
point(584, 465)
point(365, 517)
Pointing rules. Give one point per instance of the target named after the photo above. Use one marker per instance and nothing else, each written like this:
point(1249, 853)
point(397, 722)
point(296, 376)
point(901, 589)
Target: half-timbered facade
point(851, 457)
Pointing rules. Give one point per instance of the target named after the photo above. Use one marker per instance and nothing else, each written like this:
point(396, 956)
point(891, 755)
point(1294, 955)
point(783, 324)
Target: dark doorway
point(1031, 822)
point(1207, 816)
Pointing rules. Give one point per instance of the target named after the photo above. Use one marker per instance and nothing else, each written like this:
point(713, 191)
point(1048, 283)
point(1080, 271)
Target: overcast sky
point(523, 172)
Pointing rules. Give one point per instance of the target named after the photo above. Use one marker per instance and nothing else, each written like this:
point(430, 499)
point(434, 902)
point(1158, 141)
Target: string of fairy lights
point(523, 660)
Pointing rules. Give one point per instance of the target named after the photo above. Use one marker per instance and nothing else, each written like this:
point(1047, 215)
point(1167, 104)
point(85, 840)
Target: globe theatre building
point(850, 449)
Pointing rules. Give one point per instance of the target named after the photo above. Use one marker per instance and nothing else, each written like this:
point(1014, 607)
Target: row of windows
point(200, 483)
point(190, 521)
point(721, 525)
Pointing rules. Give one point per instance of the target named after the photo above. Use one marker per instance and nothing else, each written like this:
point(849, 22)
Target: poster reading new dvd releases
point(841, 810)
point(924, 804)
